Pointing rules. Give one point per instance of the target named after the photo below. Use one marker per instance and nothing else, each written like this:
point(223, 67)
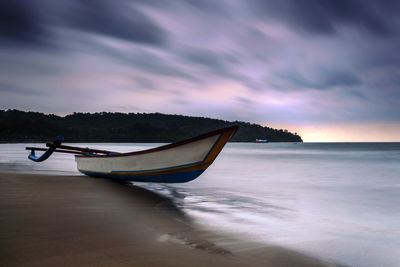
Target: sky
point(326, 69)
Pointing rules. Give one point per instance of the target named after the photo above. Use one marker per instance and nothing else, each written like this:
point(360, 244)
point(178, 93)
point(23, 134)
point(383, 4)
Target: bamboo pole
point(89, 150)
point(57, 150)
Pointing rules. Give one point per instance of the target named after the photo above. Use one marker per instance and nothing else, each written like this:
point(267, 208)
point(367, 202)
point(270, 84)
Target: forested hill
point(21, 126)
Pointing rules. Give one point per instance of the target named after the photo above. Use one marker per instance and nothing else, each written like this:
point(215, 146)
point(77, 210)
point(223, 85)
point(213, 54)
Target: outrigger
point(173, 163)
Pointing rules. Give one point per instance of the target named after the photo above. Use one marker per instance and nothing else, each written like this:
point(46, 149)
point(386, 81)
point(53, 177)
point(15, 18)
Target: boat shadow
point(160, 202)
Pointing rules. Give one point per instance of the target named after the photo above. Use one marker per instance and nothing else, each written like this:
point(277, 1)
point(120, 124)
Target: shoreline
point(53, 220)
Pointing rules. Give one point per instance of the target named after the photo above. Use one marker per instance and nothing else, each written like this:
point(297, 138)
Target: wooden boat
point(173, 163)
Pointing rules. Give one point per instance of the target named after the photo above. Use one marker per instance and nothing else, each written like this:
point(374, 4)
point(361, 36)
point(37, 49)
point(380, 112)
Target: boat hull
point(178, 177)
point(174, 163)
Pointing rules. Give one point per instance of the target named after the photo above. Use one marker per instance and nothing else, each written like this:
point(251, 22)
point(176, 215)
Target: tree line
point(22, 126)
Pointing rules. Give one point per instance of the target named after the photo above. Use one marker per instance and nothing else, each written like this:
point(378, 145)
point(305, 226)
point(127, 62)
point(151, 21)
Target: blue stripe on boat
point(159, 169)
point(179, 177)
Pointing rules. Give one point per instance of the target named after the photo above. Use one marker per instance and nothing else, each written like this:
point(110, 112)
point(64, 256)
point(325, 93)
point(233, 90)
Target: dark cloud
point(379, 55)
point(203, 57)
point(13, 89)
point(144, 84)
point(33, 21)
point(19, 23)
point(325, 17)
point(148, 62)
point(357, 94)
point(325, 80)
point(216, 63)
point(115, 19)
point(339, 78)
point(244, 100)
point(205, 6)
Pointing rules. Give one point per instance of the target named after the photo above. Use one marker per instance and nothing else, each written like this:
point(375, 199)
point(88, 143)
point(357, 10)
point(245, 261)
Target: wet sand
point(81, 221)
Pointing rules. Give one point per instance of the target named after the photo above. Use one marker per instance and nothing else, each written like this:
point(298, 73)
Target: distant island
point(20, 126)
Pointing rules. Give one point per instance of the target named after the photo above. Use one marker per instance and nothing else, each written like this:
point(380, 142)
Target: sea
point(336, 201)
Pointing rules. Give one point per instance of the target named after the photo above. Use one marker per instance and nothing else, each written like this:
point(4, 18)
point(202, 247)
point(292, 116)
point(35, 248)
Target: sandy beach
point(80, 221)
